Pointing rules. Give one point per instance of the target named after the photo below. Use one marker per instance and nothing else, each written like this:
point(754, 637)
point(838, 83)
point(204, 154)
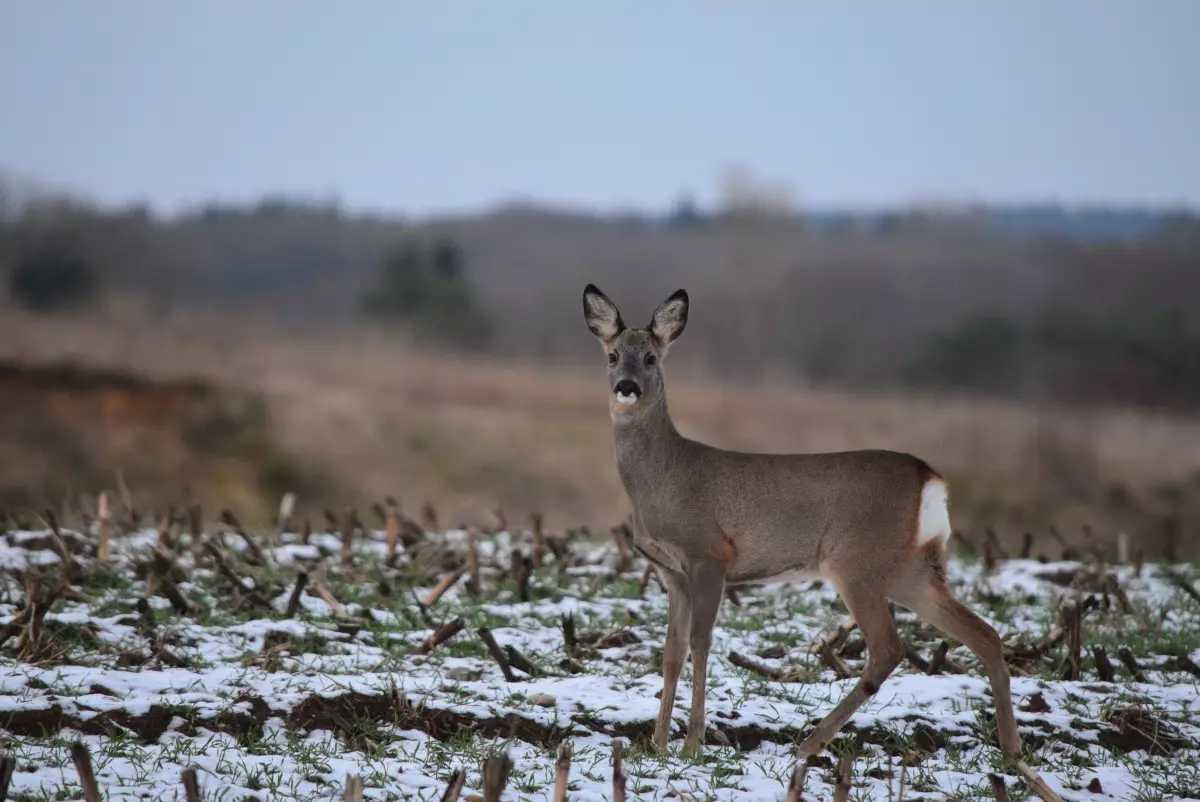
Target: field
point(348, 418)
point(278, 664)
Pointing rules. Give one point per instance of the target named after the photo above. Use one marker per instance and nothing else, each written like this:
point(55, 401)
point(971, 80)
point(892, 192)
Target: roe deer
point(873, 523)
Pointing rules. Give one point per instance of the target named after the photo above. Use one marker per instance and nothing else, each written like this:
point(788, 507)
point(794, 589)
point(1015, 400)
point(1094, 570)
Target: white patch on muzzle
point(627, 398)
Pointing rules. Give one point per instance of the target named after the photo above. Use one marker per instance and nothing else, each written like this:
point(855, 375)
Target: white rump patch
point(933, 517)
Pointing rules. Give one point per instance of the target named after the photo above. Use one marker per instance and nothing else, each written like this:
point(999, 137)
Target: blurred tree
point(447, 260)
point(685, 213)
point(1180, 228)
point(1071, 316)
point(427, 290)
point(982, 353)
point(745, 195)
point(1064, 353)
point(8, 204)
point(1152, 358)
point(397, 292)
point(52, 275)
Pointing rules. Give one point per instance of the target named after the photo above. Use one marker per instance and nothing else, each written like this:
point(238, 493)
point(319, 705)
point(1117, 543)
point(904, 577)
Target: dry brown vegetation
point(66, 429)
point(362, 416)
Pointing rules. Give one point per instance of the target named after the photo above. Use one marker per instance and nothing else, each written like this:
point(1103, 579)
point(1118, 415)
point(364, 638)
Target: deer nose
point(628, 388)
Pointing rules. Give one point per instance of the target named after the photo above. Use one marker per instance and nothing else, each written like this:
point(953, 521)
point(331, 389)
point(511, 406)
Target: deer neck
point(646, 443)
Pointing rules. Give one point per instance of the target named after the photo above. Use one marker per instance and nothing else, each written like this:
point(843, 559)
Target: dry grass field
point(356, 417)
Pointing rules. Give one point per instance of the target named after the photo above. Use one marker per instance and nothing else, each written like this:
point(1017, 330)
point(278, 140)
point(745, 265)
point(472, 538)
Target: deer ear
point(670, 318)
point(602, 316)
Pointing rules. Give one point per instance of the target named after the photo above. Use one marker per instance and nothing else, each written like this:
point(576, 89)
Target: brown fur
point(722, 550)
point(933, 556)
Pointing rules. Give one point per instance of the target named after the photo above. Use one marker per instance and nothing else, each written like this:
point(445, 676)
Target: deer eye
point(650, 360)
point(612, 357)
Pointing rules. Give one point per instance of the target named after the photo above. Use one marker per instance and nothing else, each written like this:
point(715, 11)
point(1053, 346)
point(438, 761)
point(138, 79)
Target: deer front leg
point(673, 654)
point(869, 608)
point(707, 584)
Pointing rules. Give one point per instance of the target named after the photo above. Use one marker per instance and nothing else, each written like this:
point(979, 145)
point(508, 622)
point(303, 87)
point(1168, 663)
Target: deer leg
point(933, 601)
point(673, 654)
point(924, 592)
point(868, 606)
point(707, 586)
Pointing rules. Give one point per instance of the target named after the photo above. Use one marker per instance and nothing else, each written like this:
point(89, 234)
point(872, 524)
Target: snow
point(617, 695)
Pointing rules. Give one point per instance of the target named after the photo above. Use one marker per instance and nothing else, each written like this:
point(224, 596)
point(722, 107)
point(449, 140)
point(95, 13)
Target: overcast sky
point(422, 106)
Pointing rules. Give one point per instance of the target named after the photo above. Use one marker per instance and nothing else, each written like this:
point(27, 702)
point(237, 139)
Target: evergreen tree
point(426, 289)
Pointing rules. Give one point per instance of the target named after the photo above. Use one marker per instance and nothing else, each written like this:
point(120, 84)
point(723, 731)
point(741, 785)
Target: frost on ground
point(269, 707)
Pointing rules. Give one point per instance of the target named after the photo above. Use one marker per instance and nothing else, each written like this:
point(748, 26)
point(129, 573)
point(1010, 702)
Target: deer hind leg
point(869, 607)
point(924, 591)
point(927, 595)
point(674, 653)
point(707, 586)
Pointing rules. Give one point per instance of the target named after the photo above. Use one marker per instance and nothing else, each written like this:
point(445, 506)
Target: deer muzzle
point(627, 391)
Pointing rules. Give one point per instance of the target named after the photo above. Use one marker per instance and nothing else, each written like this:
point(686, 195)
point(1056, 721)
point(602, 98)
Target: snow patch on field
point(271, 709)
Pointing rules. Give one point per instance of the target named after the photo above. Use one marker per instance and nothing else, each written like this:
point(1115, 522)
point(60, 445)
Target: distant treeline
point(944, 299)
